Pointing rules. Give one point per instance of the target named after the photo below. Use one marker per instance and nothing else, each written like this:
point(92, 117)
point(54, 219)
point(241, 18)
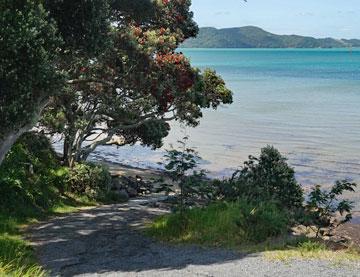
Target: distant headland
point(255, 37)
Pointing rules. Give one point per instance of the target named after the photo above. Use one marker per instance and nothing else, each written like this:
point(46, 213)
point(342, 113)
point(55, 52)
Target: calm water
point(304, 102)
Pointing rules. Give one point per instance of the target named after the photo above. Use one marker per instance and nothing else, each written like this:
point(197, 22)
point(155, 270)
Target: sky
point(317, 18)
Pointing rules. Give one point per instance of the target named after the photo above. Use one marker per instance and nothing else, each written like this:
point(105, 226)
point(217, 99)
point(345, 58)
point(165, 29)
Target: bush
point(32, 154)
point(267, 178)
point(25, 175)
point(322, 207)
point(89, 179)
point(59, 179)
point(222, 224)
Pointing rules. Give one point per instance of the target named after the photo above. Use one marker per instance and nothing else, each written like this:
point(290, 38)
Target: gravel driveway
point(106, 241)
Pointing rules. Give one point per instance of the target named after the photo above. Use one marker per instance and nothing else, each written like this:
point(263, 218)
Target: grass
point(243, 227)
point(308, 250)
point(222, 224)
point(16, 255)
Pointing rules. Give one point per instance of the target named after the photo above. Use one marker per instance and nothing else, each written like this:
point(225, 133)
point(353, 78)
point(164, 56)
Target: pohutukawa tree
point(28, 43)
point(41, 41)
point(137, 85)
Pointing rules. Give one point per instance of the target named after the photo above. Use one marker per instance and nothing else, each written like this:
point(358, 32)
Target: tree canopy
point(107, 71)
point(35, 38)
point(28, 43)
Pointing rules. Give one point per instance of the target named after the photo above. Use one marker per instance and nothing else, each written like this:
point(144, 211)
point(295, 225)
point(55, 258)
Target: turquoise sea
point(305, 102)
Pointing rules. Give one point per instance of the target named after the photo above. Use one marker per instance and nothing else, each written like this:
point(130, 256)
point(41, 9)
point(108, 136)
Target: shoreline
point(118, 169)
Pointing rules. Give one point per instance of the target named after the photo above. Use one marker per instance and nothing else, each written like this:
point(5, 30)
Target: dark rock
point(132, 192)
point(117, 183)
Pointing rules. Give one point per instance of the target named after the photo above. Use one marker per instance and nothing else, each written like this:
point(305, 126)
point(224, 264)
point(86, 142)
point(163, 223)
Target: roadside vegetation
point(223, 224)
point(35, 186)
point(255, 210)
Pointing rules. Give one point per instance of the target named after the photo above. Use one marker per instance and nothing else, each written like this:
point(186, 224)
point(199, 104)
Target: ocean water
point(304, 102)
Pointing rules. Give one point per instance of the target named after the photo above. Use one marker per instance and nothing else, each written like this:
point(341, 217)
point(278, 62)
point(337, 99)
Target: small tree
point(178, 164)
point(323, 205)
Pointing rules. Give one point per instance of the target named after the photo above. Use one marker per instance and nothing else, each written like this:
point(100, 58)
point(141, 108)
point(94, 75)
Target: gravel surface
point(107, 241)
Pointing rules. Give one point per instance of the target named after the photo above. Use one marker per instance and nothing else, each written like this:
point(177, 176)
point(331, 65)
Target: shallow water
point(304, 102)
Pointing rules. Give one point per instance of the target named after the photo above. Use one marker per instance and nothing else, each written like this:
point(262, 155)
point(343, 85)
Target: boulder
point(132, 192)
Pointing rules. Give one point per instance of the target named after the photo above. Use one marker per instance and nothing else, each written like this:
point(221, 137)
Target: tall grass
point(16, 256)
point(222, 224)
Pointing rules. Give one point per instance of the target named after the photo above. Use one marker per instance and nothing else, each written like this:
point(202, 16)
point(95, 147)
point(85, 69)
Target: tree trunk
point(68, 155)
point(9, 139)
point(65, 157)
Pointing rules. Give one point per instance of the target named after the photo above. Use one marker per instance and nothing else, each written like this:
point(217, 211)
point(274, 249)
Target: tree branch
point(91, 80)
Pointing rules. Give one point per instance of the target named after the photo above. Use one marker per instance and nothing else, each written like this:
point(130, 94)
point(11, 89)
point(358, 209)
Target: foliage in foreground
point(33, 182)
point(243, 226)
point(222, 224)
point(16, 256)
point(27, 77)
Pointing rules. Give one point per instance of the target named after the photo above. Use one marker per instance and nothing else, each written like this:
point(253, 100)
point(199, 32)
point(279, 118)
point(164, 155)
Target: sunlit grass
point(226, 224)
point(72, 203)
point(309, 250)
point(13, 269)
point(16, 256)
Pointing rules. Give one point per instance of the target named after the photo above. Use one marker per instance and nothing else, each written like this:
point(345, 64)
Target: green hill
point(254, 37)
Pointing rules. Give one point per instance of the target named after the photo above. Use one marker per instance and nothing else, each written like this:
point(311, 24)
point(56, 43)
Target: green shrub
point(89, 179)
point(59, 179)
point(25, 175)
point(325, 210)
point(222, 224)
point(32, 152)
point(179, 164)
point(267, 178)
